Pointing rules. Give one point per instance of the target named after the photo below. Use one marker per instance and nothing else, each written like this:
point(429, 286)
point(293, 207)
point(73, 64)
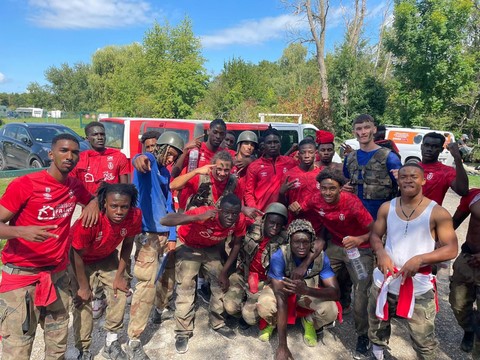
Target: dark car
point(26, 145)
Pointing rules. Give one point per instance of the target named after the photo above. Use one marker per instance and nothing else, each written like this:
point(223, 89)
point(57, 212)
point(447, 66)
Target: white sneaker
point(98, 307)
point(377, 352)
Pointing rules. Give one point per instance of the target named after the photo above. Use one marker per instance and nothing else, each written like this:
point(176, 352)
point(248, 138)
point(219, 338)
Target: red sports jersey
point(438, 178)
point(467, 199)
point(210, 232)
point(256, 265)
point(95, 167)
point(100, 240)
point(39, 199)
point(348, 217)
point(264, 178)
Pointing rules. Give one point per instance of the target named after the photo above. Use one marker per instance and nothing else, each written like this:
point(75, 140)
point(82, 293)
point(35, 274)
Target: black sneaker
point(135, 351)
point(114, 351)
point(181, 343)
point(363, 345)
point(85, 355)
point(242, 324)
point(204, 293)
point(467, 341)
point(226, 332)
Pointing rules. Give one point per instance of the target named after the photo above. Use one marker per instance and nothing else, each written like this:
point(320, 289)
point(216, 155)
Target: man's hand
point(287, 185)
point(348, 187)
point(410, 268)
point(384, 262)
point(283, 353)
point(394, 172)
point(195, 142)
point(205, 169)
point(295, 207)
point(347, 149)
point(251, 212)
point(299, 272)
point(350, 242)
point(297, 286)
point(84, 295)
point(142, 164)
point(90, 213)
point(120, 283)
point(223, 281)
point(243, 163)
point(171, 245)
point(454, 150)
point(210, 214)
point(36, 233)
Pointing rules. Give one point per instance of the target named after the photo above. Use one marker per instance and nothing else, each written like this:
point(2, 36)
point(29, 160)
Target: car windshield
point(46, 134)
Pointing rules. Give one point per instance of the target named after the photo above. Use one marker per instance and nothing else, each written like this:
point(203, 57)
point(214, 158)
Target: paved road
point(337, 342)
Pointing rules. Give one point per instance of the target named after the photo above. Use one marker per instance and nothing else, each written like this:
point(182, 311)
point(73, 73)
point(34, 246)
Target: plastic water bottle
point(192, 159)
point(354, 256)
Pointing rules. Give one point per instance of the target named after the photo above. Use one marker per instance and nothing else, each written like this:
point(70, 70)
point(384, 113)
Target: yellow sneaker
point(266, 333)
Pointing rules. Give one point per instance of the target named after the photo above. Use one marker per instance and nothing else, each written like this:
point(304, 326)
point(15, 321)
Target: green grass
point(474, 181)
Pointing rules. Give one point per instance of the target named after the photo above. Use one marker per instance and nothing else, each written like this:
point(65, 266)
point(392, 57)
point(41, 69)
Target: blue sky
point(37, 34)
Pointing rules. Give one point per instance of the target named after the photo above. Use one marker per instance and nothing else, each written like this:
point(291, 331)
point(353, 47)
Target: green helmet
point(171, 138)
point(277, 208)
point(247, 136)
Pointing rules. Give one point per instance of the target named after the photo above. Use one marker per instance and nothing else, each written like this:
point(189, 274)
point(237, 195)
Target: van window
point(288, 138)
point(309, 132)
point(114, 134)
point(183, 133)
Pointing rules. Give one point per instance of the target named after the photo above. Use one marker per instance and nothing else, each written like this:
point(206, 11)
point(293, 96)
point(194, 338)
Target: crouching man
point(317, 291)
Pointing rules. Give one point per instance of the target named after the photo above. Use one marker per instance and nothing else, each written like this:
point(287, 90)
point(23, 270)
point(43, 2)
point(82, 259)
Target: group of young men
point(272, 234)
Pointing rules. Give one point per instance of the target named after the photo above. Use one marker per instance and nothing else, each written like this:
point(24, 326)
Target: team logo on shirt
point(284, 170)
point(123, 232)
point(429, 176)
point(99, 236)
point(297, 183)
point(47, 189)
point(341, 217)
point(263, 174)
point(71, 193)
point(110, 165)
point(321, 212)
point(109, 158)
point(47, 195)
point(207, 233)
point(46, 213)
point(89, 178)
point(60, 211)
point(108, 176)
point(318, 185)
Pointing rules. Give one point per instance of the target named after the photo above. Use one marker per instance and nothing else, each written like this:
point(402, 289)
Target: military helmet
point(247, 136)
point(171, 138)
point(277, 208)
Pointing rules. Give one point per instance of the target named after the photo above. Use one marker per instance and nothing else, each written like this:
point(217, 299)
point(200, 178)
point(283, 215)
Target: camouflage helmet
point(247, 136)
point(301, 225)
point(277, 208)
point(171, 138)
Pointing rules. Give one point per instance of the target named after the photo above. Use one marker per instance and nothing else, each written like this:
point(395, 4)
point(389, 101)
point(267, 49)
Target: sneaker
point(98, 307)
point(181, 343)
point(159, 317)
point(204, 293)
point(363, 345)
point(114, 351)
point(377, 352)
point(85, 355)
point(309, 334)
point(135, 351)
point(266, 333)
point(242, 324)
point(226, 332)
point(467, 341)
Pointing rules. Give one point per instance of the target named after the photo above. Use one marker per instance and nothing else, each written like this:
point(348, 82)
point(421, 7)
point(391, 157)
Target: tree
point(39, 96)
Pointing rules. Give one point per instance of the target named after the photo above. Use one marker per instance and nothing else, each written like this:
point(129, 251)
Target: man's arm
point(232, 257)
point(460, 183)
point(90, 213)
point(183, 219)
point(84, 293)
point(385, 263)
point(120, 283)
point(180, 181)
point(282, 352)
point(459, 217)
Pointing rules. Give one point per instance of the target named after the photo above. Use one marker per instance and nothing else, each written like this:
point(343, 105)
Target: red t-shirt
point(191, 187)
point(264, 178)
point(100, 240)
point(256, 265)
point(95, 167)
point(210, 232)
point(39, 199)
point(348, 217)
point(467, 199)
point(439, 178)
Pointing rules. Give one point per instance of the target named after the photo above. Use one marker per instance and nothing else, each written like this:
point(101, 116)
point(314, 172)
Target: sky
point(37, 34)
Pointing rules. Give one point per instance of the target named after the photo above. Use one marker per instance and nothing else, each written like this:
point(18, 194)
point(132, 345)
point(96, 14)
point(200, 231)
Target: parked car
point(26, 145)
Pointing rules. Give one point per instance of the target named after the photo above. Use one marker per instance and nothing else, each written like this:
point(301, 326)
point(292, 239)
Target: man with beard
point(202, 233)
point(403, 280)
point(152, 179)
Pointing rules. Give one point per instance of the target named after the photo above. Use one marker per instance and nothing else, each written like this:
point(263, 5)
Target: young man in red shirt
point(264, 176)
point(95, 258)
point(349, 223)
point(326, 150)
point(35, 287)
point(440, 177)
point(202, 233)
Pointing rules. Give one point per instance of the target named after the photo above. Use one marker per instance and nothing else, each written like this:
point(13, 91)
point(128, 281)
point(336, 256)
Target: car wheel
point(36, 164)
point(3, 164)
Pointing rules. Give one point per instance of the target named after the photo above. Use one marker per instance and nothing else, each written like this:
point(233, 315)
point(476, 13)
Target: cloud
point(2, 78)
point(89, 14)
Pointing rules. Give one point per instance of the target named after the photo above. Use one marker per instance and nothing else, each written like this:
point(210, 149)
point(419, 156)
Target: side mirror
point(26, 141)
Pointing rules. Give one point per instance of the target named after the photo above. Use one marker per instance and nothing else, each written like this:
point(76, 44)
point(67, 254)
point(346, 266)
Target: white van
point(409, 140)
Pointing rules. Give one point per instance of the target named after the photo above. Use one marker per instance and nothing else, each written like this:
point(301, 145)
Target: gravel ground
point(337, 342)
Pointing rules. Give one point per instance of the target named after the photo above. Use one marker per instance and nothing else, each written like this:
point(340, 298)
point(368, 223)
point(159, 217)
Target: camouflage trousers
point(339, 262)
point(188, 263)
point(103, 271)
point(324, 312)
point(238, 299)
point(147, 292)
point(464, 291)
point(421, 326)
point(19, 319)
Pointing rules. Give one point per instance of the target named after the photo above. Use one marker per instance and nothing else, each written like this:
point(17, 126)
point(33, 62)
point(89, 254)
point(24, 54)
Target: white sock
point(111, 337)
point(377, 352)
point(200, 282)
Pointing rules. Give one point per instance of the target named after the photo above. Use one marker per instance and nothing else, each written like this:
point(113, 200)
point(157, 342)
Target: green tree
point(39, 96)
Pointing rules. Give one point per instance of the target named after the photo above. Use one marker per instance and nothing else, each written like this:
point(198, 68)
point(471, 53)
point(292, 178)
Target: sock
point(160, 311)
point(377, 352)
point(309, 318)
point(111, 337)
point(200, 282)
point(132, 341)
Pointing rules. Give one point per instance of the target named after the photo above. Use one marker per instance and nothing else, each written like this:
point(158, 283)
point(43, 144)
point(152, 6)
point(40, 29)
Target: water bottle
point(354, 256)
point(193, 159)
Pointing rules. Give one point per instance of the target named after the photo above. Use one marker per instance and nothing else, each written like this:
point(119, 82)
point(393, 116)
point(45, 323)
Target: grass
point(474, 181)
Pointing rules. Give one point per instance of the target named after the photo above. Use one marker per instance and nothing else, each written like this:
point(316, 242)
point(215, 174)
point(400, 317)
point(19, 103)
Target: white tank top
point(401, 247)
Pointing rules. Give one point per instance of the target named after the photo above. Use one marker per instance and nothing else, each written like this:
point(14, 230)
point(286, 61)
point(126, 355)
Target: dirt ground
point(159, 340)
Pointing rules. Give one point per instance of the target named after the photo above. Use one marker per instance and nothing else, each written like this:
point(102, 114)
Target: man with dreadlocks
point(315, 293)
point(152, 179)
point(94, 256)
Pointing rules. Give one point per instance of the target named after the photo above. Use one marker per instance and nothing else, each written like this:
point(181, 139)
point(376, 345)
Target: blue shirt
point(277, 266)
point(154, 197)
point(363, 157)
